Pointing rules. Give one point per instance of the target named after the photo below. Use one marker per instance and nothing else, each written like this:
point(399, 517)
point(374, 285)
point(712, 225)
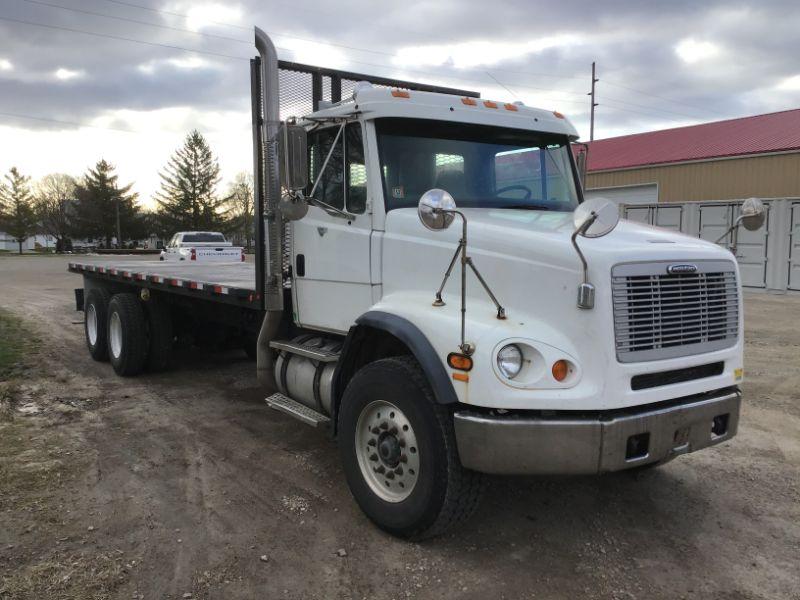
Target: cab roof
point(375, 102)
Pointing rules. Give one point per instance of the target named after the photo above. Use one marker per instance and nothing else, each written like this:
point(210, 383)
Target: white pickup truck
point(565, 342)
point(201, 246)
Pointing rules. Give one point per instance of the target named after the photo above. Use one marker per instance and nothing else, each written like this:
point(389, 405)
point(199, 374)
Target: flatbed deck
point(224, 282)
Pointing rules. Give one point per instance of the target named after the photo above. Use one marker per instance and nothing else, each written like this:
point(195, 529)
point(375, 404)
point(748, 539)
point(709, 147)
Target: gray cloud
point(643, 82)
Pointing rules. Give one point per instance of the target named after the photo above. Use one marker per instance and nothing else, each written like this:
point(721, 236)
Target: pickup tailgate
point(217, 253)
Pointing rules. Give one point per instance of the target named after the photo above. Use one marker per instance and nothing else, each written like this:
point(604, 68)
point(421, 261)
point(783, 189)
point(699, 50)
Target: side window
point(331, 186)
point(356, 169)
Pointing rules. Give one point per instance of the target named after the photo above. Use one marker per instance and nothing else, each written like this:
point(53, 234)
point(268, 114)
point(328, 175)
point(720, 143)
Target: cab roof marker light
point(511, 107)
point(468, 101)
point(489, 104)
point(558, 115)
point(400, 93)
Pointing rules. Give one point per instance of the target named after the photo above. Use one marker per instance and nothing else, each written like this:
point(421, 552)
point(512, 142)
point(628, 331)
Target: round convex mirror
point(753, 214)
point(430, 208)
point(606, 217)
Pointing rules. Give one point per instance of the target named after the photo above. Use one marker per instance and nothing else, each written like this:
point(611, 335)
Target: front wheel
point(399, 452)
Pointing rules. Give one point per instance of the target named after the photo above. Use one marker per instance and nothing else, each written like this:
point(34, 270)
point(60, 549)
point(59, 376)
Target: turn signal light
point(462, 362)
point(560, 370)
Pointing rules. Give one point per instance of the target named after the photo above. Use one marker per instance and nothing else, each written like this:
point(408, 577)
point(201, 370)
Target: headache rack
point(301, 90)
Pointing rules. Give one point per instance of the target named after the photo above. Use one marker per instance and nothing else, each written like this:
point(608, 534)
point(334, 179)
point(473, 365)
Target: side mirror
point(592, 219)
point(293, 142)
point(596, 217)
point(753, 214)
point(430, 208)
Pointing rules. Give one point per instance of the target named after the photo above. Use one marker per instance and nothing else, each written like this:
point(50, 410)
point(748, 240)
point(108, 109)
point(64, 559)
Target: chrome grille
point(661, 315)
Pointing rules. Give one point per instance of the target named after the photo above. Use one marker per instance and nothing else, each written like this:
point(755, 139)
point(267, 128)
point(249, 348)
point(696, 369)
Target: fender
point(412, 337)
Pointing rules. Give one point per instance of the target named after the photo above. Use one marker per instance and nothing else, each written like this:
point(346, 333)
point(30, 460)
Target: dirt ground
point(184, 484)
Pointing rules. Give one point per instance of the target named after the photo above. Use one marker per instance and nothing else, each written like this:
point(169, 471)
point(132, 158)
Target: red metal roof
point(773, 132)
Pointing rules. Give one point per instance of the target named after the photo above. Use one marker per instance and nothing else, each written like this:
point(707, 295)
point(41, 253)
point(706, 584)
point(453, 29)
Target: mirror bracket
point(585, 289)
point(466, 261)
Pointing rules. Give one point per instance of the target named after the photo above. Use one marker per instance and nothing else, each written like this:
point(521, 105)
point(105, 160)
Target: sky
point(126, 80)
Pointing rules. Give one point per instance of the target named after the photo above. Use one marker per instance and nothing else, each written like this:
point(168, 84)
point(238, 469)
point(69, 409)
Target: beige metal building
point(725, 160)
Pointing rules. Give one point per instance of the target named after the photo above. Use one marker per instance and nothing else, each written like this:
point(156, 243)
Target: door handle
point(300, 265)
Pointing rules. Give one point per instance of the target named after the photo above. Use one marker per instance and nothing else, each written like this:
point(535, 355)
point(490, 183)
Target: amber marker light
point(458, 361)
point(461, 377)
point(560, 370)
point(400, 94)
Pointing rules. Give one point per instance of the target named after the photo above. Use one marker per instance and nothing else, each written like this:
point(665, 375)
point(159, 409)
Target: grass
point(17, 342)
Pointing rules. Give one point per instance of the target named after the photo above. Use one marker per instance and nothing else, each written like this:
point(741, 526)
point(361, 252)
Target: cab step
point(307, 350)
point(299, 411)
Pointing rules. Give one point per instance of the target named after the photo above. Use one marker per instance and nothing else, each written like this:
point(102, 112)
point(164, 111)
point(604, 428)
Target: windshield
point(479, 165)
point(203, 237)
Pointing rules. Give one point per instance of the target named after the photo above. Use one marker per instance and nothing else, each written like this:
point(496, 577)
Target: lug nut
point(373, 457)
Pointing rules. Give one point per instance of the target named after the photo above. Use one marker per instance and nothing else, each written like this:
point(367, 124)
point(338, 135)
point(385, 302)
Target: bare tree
point(240, 201)
point(55, 206)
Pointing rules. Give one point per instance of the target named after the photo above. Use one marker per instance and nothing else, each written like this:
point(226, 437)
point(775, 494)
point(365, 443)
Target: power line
point(74, 123)
point(124, 39)
point(128, 20)
point(334, 44)
point(630, 89)
point(175, 14)
point(384, 53)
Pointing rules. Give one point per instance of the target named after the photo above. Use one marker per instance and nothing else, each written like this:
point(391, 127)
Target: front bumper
point(610, 441)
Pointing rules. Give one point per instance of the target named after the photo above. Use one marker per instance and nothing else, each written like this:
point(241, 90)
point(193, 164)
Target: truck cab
point(566, 346)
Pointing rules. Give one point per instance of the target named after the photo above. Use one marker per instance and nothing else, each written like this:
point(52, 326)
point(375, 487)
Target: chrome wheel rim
point(387, 451)
point(115, 334)
point(91, 324)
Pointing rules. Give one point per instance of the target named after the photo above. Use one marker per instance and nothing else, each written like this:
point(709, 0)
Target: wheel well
point(382, 335)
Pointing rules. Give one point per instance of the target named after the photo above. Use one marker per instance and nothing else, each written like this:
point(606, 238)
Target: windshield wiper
point(528, 206)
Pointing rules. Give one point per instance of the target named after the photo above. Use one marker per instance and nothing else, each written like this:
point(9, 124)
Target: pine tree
point(188, 198)
point(103, 209)
point(17, 215)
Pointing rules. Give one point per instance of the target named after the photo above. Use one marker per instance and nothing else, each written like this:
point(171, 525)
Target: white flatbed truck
point(564, 342)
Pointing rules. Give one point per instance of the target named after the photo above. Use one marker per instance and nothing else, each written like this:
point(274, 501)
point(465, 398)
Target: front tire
point(399, 452)
point(127, 335)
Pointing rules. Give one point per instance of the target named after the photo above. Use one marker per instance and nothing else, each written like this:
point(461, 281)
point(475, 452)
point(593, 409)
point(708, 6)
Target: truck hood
point(543, 238)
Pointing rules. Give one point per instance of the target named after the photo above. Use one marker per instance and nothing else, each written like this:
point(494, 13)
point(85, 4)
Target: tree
point(188, 199)
point(103, 209)
point(55, 206)
point(240, 201)
point(17, 215)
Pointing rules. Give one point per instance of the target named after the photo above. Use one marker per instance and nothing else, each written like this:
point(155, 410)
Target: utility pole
point(594, 104)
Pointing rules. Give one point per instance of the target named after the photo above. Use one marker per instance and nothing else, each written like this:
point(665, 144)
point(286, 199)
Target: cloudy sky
point(125, 80)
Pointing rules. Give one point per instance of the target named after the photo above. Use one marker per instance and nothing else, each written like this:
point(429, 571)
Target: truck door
point(331, 253)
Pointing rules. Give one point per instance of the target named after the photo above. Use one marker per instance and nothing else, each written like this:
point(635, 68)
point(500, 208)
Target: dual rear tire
point(121, 330)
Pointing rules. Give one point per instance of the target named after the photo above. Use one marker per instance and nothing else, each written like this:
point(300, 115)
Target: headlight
point(509, 361)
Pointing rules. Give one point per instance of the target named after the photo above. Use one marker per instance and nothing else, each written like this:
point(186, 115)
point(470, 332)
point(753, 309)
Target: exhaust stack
point(266, 116)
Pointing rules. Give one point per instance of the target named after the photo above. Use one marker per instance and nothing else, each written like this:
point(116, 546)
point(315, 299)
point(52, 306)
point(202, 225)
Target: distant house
point(34, 242)
point(724, 160)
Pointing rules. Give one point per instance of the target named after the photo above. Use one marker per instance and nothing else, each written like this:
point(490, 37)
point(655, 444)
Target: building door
point(661, 215)
point(751, 253)
point(794, 247)
point(627, 194)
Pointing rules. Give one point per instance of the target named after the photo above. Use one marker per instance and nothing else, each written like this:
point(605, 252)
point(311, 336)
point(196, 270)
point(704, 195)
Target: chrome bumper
point(514, 445)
